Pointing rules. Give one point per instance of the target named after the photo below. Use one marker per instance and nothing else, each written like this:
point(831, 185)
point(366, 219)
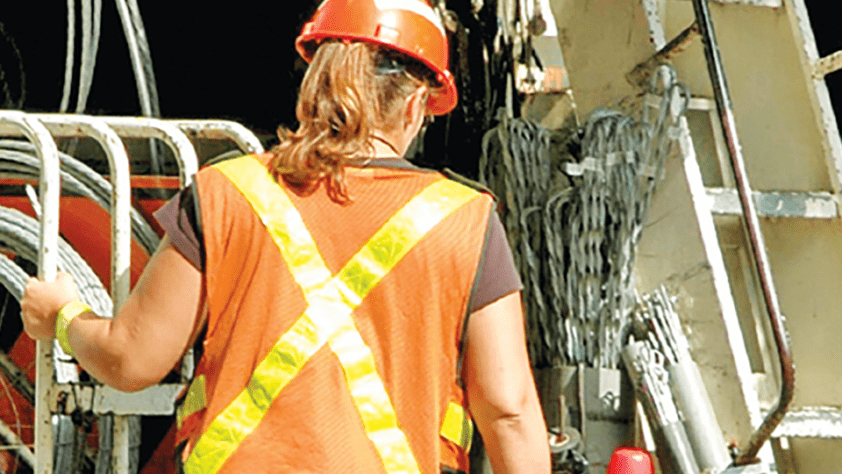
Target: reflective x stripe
point(327, 320)
point(457, 426)
point(194, 401)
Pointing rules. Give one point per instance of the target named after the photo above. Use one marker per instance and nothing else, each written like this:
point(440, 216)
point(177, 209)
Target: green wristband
point(65, 316)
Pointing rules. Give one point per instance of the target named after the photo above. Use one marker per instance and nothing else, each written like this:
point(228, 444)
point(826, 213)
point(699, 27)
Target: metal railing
point(107, 132)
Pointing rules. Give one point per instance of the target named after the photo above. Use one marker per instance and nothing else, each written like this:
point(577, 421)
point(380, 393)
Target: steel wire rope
point(69, 58)
point(17, 165)
point(9, 436)
point(576, 256)
point(79, 178)
point(91, 25)
point(146, 55)
point(67, 440)
point(19, 233)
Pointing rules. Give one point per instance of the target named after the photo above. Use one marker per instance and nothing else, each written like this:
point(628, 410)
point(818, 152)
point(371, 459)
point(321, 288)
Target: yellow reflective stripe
point(457, 426)
point(194, 401)
point(275, 209)
point(400, 234)
point(372, 401)
point(331, 302)
point(241, 416)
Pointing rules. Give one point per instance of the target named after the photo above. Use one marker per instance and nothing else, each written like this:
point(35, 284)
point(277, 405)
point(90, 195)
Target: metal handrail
point(120, 176)
point(137, 127)
point(15, 123)
point(107, 132)
point(188, 164)
point(748, 454)
point(221, 130)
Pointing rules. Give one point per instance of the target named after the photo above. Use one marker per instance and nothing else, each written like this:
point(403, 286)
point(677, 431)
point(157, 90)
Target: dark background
point(233, 61)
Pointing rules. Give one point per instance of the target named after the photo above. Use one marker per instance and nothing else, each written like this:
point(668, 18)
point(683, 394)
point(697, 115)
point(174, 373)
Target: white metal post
point(120, 176)
point(188, 164)
point(16, 123)
point(137, 127)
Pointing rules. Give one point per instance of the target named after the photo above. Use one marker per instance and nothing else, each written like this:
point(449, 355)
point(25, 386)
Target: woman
point(329, 283)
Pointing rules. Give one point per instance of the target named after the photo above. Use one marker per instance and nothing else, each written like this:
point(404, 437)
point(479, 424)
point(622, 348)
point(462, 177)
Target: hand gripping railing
point(106, 132)
point(13, 123)
point(188, 164)
point(120, 176)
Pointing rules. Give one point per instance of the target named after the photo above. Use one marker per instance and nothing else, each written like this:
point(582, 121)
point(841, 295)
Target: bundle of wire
point(574, 206)
point(17, 160)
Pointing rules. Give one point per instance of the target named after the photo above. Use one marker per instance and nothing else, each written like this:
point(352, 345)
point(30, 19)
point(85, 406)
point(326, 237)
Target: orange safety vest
point(334, 331)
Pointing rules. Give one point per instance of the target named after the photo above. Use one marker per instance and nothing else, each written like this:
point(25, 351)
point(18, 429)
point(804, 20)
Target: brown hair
point(344, 98)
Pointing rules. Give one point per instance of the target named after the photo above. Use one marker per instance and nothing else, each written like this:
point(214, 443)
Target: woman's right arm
point(502, 397)
point(151, 331)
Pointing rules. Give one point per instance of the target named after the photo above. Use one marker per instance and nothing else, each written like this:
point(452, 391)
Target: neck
point(383, 148)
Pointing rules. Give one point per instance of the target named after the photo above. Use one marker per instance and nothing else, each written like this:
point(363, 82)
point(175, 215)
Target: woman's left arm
point(151, 331)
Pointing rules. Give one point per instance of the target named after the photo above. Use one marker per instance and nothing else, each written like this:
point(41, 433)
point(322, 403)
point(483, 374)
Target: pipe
point(748, 454)
point(183, 151)
point(47, 264)
point(118, 162)
point(221, 130)
point(639, 76)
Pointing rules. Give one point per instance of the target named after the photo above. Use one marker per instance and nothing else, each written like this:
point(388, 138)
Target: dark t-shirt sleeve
point(181, 226)
point(497, 275)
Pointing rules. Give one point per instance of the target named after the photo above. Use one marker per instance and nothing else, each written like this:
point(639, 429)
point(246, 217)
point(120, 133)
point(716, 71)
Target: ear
point(415, 109)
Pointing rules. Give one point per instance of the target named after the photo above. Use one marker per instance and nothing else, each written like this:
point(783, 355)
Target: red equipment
point(630, 461)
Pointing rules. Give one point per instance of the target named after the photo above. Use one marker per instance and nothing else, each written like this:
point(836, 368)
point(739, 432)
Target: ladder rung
point(752, 3)
point(810, 205)
point(811, 422)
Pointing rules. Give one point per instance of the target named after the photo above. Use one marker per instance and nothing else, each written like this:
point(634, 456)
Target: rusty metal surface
point(641, 74)
point(827, 65)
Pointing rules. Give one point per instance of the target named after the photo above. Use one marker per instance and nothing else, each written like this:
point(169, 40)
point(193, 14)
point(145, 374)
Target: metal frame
point(16, 123)
point(107, 131)
point(812, 422)
point(118, 162)
point(752, 3)
point(816, 205)
point(221, 130)
point(185, 154)
point(701, 202)
point(819, 94)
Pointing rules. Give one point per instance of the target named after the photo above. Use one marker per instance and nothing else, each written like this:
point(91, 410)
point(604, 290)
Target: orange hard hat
point(409, 26)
